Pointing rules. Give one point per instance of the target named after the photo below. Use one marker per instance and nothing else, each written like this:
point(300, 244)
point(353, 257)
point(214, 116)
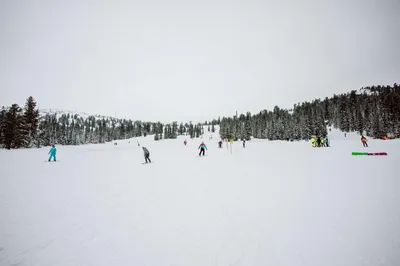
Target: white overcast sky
point(165, 60)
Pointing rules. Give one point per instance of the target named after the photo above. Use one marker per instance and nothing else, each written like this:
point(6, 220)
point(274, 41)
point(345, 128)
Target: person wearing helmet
point(202, 148)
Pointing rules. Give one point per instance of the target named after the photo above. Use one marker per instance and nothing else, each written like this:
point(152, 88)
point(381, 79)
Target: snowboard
point(148, 163)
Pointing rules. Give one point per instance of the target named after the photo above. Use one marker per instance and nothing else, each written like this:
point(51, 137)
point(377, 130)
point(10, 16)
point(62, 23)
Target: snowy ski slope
point(272, 203)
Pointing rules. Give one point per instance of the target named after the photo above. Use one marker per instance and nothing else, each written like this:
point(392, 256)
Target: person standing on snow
point(52, 153)
point(146, 154)
point(319, 142)
point(244, 143)
point(327, 141)
point(364, 141)
point(313, 142)
point(185, 142)
point(220, 144)
point(202, 148)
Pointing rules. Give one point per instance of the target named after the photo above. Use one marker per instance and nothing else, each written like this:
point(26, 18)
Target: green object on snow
point(359, 153)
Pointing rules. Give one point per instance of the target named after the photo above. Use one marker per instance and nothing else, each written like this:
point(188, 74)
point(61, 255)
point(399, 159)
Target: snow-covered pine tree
point(181, 129)
point(352, 109)
point(174, 133)
point(191, 130)
point(15, 133)
point(166, 133)
point(31, 117)
point(248, 127)
point(3, 112)
point(344, 115)
point(169, 131)
point(139, 129)
point(122, 131)
point(161, 130)
point(359, 120)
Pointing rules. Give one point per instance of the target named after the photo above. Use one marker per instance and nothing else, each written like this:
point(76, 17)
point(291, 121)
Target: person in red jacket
point(185, 142)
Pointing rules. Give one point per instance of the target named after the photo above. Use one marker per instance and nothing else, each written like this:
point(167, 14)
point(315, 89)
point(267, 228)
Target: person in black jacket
point(146, 155)
point(220, 144)
point(319, 141)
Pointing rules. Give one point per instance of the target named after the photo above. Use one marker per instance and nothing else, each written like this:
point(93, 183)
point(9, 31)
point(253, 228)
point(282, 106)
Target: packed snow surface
point(271, 203)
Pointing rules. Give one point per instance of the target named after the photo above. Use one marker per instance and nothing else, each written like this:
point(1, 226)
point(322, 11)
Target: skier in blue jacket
point(202, 148)
point(52, 153)
point(327, 141)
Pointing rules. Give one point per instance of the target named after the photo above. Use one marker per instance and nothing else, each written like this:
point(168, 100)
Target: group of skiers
point(320, 142)
point(324, 142)
point(315, 142)
point(221, 142)
point(202, 149)
point(53, 152)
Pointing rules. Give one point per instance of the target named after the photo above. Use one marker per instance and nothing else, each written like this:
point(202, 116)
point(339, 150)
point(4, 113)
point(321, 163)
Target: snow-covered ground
point(272, 203)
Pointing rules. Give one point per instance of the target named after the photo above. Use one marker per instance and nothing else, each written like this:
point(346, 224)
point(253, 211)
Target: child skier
point(52, 153)
point(202, 148)
point(146, 155)
point(364, 141)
